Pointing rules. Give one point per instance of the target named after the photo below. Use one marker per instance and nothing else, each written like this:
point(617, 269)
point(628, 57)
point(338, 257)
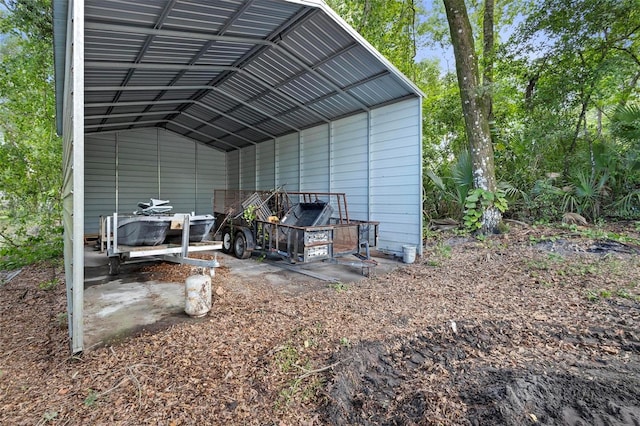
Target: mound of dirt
point(454, 373)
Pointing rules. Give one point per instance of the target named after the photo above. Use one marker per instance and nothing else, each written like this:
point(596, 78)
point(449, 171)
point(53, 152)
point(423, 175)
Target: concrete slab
point(116, 307)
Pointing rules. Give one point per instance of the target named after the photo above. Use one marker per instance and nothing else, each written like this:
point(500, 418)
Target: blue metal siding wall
point(99, 179)
point(288, 162)
point(349, 163)
point(150, 163)
point(248, 168)
point(177, 171)
point(212, 175)
point(233, 170)
point(396, 187)
point(265, 166)
point(374, 158)
point(137, 168)
point(314, 159)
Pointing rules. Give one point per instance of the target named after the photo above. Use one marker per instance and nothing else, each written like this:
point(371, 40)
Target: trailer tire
point(240, 248)
point(227, 240)
point(114, 265)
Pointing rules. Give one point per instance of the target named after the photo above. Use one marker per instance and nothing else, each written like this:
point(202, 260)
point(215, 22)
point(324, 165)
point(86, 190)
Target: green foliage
point(287, 358)
point(91, 398)
point(477, 202)
point(305, 387)
point(625, 123)
point(442, 121)
point(450, 191)
point(48, 285)
point(587, 195)
point(628, 206)
point(338, 286)
point(588, 55)
point(594, 296)
point(34, 18)
point(625, 294)
point(249, 214)
point(63, 320)
point(443, 250)
point(27, 249)
point(49, 416)
point(30, 151)
point(391, 26)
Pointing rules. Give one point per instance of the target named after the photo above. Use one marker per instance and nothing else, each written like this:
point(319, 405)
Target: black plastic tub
point(143, 230)
point(308, 214)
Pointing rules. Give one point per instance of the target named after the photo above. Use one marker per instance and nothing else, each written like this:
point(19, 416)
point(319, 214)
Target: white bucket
point(197, 295)
point(408, 254)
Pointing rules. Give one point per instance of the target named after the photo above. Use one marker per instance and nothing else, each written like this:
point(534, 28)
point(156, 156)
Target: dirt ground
point(536, 326)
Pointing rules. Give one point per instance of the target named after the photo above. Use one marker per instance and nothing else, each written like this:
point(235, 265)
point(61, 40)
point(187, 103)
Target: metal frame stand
point(168, 252)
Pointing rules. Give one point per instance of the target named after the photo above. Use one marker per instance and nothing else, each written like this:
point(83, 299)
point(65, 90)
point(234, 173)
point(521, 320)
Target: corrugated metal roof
point(229, 73)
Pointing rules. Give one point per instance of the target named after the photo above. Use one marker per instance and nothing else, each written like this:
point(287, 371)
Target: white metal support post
point(78, 174)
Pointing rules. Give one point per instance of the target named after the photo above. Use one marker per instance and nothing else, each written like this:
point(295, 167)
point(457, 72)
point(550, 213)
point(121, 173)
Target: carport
point(174, 98)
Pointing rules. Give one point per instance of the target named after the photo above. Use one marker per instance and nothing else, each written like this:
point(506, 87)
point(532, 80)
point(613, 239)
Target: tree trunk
point(626, 92)
point(488, 58)
point(576, 132)
point(476, 123)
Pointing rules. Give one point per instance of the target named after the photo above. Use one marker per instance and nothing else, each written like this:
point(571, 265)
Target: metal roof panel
point(261, 18)
point(136, 12)
point(202, 14)
point(273, 67)
point(316, 40)
point(239, 70)
point(224, 53)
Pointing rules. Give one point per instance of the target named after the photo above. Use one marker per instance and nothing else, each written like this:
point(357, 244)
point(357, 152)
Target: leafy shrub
point(546, 202)
point(478, 200)
point(587, 194)
point(28, 249)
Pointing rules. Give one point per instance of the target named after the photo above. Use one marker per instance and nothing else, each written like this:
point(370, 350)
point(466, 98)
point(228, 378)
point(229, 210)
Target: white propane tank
point(197, 295)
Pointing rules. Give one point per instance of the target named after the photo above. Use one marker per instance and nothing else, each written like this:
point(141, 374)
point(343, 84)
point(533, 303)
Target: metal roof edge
point(360, 39)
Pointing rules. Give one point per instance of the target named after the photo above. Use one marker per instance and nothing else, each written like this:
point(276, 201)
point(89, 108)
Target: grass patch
point(91, 398)
point(303, 384)
point(443, 250)
point(49, 416)
point(597, 295)
point(338, 286)
point(49, 285)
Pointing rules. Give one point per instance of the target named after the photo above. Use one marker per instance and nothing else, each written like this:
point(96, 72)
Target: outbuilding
point(175, 98)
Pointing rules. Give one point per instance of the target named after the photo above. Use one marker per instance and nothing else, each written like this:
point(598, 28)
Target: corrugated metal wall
point(288, 162)
point(349, 163)
point(140, 164)
point(211, 174)
point(100, 178)
point(137, 169)
point(395, 171)
point(233, 170)
point(266, 165)
point(177, 171)
point(248, 168)
point(374, 158)
point(314, 159)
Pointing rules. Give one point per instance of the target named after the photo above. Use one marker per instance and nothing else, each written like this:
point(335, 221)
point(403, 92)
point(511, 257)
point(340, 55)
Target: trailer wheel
point(240, 246)
point(114, 265)
point(227, 241)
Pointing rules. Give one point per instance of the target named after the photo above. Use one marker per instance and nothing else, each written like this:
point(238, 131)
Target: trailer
point(151, 241)
point(300, 227)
